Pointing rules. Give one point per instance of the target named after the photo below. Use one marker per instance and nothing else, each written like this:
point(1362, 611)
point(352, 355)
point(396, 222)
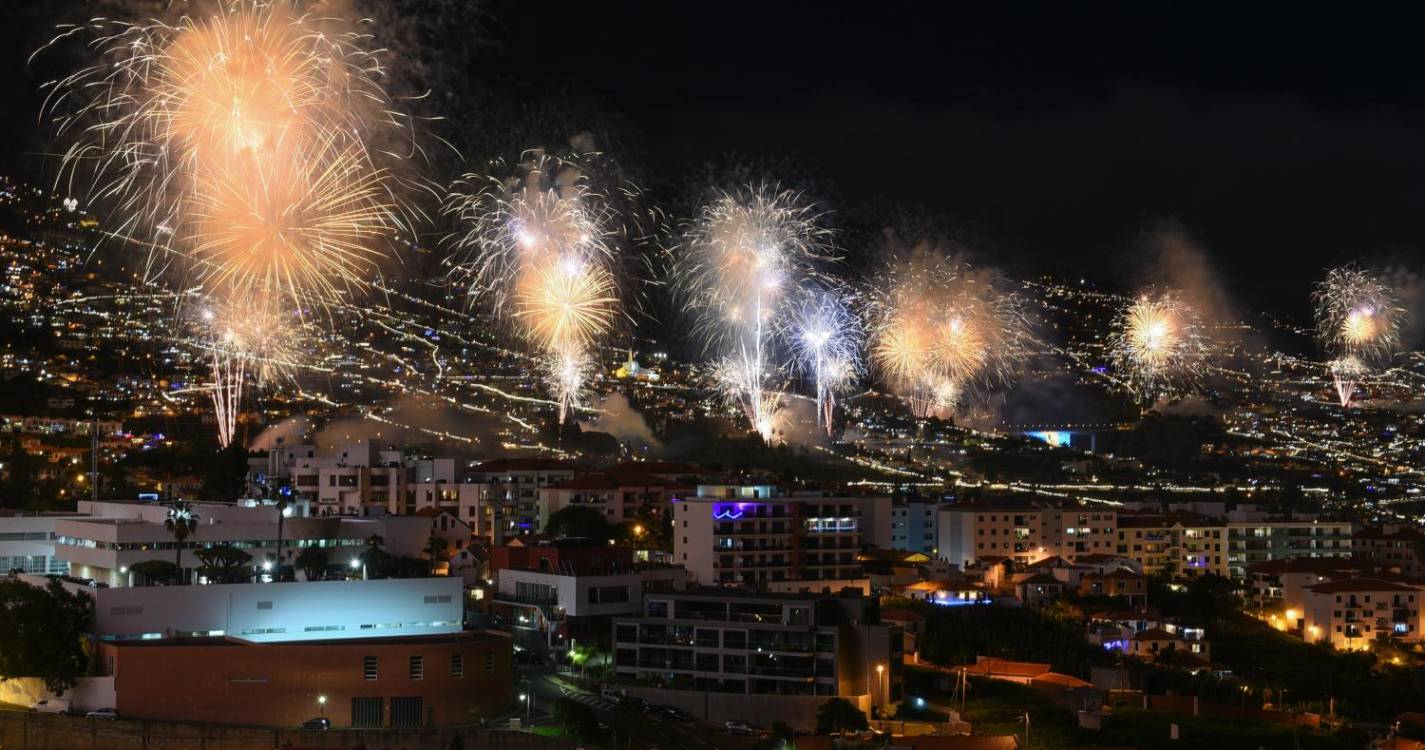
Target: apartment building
point(617, 494)
point(500, 498)
point(1023, 532)
point(1251, 542)
point(1352, 613)
point(783, 652)
point(1393, 545)
point(1177, 544)
point(915, 525)
point(739, 535)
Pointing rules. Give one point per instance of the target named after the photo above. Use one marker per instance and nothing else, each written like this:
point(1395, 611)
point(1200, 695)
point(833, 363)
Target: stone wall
point(22, 730)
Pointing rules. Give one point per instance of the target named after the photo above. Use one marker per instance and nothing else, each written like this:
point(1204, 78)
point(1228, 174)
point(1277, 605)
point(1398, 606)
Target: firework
point(1346, 373)
point(302, 228)
point(825, 340)
point(1158, 345)
point(1358, 323)
point(941, 331)
point(536, 252)
point(243, 342)
point(251, 110)
point(738, 270)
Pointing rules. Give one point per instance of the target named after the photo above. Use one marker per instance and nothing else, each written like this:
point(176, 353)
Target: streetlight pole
point(880, 690)
point(322, 702)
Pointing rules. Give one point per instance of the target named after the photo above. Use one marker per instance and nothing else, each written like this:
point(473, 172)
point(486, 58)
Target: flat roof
point(463, 636)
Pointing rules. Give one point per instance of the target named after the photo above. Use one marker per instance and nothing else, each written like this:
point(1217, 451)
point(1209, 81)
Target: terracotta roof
point(1061, 680)
point(985, 666)
point(1123, 615)
point(1042, 579)
point(1404, 534)
point(1320, 565)
point(1359, 584)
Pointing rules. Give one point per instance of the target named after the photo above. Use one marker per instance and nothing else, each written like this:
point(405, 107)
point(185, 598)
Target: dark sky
point(1281, 139)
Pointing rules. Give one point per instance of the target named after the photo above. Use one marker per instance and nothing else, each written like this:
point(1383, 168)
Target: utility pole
point(94, 456)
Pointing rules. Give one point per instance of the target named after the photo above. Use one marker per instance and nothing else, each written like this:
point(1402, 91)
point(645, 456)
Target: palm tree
point(284, 501)
point(182, 522)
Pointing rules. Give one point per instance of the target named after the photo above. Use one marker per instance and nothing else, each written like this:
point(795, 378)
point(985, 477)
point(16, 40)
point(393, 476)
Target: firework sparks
point(243, 341)
point(1158, 345)
point(238, 141)
point(941, 331)
point(738, 270)
point(536, 253)
point(1358, 323)
point(825, 340)
point(1346, 374)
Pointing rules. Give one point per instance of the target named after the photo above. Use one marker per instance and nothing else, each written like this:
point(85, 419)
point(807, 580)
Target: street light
point(528, 705)
point(322, 701)
point(880, 674)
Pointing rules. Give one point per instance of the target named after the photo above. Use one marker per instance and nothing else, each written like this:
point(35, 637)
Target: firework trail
point(1358, 322)
point(1158, 345)
point(940, 331)
point(739, 269)
point(535, 250)
point(825, 336)
point(243, 342)
point(249, 109)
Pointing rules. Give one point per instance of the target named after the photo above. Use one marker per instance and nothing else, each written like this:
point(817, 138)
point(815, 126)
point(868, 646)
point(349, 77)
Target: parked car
point(740, 727)
point(641, 704)
point(50, 706)
point(107, 714)
point(321, 724)
point(611, 695)
point(673, 712)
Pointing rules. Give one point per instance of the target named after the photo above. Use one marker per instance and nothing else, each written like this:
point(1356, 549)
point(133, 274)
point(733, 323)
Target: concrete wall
point(88, 694)
point(799, 711)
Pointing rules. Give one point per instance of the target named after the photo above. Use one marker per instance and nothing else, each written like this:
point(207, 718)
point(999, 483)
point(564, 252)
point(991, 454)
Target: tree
point(20, 488)
point(313, 562)
point(225, 563)
point(577, 719)
point(42, 633)
point(153, 571)
point(579, 521)
point(283, 501)
point(182, 523)
point(226, 474)
point(839, 715)
point(437, 551)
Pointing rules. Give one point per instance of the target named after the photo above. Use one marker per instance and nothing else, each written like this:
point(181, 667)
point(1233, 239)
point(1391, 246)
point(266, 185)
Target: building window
point(489, 663)
point(418, 667)
point(457, 665)
point(368, 667)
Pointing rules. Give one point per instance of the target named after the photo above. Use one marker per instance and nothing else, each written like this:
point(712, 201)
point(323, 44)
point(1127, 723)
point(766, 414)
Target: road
point(631, 727)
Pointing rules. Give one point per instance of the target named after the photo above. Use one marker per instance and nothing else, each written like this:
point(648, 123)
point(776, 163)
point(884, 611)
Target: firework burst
point(250, 108)
point(536, 252)
point(243, 342)
point(824, 336)
point(941, 331)
point(1158, 346)
point(1358, 322)
point(738, 270)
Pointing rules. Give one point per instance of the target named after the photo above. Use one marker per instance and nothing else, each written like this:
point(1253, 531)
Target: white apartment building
point(1353, 613)
point(737, 534)
point(1024, 533)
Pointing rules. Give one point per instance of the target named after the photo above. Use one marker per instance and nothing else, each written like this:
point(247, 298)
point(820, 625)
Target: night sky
point(1056, 136)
